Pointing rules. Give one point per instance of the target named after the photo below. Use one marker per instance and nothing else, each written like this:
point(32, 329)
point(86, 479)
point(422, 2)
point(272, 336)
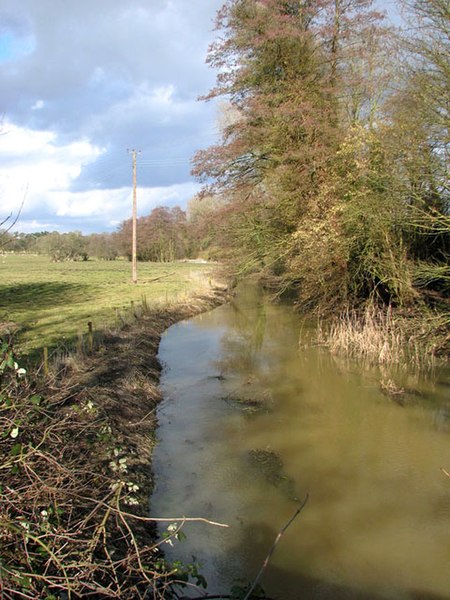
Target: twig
point(133, 539)
point(151, 519)
point(207, 597)
point(11, 225)
point(271, 551)
point(160, 277)
point(151, 412)
point(47, 549)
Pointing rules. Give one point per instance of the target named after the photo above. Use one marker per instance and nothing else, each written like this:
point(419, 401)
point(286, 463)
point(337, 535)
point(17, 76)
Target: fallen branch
point(160, 277)
point(271, 551)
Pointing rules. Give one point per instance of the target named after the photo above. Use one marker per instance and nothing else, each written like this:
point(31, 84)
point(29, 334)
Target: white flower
point(132, 501)
point(122, 466)
point(14, 433)
point(21, 372)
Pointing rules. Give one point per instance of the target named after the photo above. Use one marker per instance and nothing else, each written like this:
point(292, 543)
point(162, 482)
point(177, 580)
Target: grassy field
point(53, 302)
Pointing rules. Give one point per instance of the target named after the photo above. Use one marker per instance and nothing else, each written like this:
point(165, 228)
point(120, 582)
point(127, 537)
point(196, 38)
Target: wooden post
point(90, 337)
point(46, 361)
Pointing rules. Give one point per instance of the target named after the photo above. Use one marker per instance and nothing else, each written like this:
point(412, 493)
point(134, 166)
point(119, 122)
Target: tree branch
point(271, 551)
point(11, 225)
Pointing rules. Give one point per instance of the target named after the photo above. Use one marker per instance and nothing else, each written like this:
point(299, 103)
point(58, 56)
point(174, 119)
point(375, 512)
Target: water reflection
point(378, 521)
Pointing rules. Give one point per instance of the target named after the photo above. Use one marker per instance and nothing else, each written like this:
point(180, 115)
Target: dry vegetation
point(384, 336)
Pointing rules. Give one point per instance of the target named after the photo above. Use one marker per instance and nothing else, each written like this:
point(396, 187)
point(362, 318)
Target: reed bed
point(379, 335)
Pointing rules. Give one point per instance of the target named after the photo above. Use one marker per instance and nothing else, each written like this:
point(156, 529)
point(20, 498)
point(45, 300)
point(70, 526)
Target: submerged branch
point(272, 549)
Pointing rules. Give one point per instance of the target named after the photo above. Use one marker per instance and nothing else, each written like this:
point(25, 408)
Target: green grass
point(53, 302)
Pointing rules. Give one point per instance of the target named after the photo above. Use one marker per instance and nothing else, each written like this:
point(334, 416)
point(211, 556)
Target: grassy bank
point(76, 445)
point(51, 303)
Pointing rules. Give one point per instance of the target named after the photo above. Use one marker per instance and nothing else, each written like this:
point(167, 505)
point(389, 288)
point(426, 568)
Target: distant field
point(53, 302)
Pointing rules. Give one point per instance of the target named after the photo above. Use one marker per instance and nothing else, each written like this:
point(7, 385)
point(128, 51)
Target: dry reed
point(378, 336)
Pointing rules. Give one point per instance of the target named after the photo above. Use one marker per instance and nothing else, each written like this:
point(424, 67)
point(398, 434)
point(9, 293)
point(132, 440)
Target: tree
point(421, 136)
point(207, 226)
point(161, 236)
point(103, 245)
point(293, 74)
point(63, 246)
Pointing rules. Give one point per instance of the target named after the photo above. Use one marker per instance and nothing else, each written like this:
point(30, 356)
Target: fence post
point(90, 337)
point(45, 361)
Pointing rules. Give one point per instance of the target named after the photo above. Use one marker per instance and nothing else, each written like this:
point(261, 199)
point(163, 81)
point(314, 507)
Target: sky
point(86, 81)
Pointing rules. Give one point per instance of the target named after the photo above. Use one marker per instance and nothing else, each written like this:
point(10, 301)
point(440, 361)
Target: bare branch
point(277, 539)
point(14, 221)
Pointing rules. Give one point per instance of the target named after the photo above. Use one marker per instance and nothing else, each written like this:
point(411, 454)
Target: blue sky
point(80, 85)
point(12, 47)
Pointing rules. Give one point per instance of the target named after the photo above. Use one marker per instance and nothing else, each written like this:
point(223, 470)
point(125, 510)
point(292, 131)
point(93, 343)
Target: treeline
point(331, 177)
point(164, 235)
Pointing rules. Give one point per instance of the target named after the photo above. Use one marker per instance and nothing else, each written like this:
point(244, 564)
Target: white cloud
point(34, 226)
point(115, 205)
point(18, 141)
point(32, 164)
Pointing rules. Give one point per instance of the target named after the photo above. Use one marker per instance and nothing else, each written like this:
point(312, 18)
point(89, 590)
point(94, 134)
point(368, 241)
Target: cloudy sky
point(82, 82)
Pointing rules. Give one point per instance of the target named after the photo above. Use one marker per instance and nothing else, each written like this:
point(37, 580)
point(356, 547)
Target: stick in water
point(271, 551)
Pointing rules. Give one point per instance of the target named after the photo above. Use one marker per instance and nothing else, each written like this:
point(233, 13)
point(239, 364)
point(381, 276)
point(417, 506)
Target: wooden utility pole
point(134, 218)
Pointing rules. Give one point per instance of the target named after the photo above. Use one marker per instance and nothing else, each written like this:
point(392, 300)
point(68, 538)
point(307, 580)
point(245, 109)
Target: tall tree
point(285, 68)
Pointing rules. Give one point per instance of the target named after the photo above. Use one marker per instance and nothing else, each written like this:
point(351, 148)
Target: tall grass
point(377, 335)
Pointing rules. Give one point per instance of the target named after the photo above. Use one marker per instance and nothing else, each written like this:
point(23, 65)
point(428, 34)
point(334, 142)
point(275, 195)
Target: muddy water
point(253, 420)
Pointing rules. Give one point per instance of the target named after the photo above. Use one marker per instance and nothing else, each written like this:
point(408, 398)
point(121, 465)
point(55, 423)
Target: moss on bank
point(75, 460)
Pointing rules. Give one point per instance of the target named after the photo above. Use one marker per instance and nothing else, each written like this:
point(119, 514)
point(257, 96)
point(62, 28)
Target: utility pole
point(134, 153)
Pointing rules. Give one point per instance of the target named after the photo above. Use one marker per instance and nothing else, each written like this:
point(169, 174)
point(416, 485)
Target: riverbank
point(76, 469)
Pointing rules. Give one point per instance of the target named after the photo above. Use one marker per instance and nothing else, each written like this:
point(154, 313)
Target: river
point(255, 417)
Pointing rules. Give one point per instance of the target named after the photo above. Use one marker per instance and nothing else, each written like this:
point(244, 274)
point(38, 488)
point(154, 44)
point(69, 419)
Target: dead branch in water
point(272, 549)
